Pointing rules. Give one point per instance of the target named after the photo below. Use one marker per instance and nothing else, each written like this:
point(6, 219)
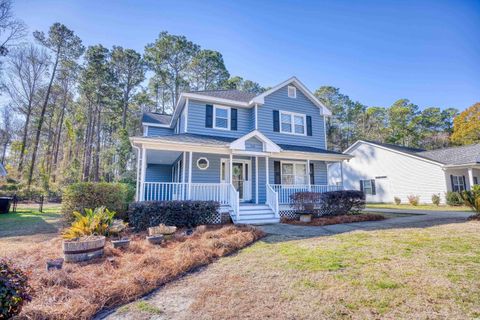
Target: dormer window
point(292, 92)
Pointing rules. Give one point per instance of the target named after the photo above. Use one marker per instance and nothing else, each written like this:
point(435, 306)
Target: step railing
point(284, 191)
point(234, 201)
point(272, 200)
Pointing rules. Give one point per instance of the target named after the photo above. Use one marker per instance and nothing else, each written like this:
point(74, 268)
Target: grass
point(122, 276)
point(431, 207)
point(429, 273)
point(347, 218)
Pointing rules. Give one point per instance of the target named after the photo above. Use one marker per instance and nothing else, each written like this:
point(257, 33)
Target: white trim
point(309, 173)
point(204, 98)
point(229, 116)
point(325, 133)
point(292, 123)
point(137, 191)
point(186, 116)
point(260, 99)
point(144, 169)
point(268, 145)
point(159, 125)
point(267, 178)
point(294, 96)
point(184, 161)
point(203, 158)
point(145, 131)
point(256, 180)
point(470, 178)
point(190, 156)
point(229, 172)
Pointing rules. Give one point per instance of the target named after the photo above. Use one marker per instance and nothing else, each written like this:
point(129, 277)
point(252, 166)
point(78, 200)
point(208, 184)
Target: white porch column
point(142, 176)
point(308, 175)
point(189, 174)
point(184, 177)
point(470, 177)
point(137, 190)
point(341, 173)
point(267, 178)
point(230, 168)
point(256, 180)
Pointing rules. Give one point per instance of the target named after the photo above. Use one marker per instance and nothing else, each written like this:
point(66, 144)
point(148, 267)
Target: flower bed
point(346, 218)
point(123, 275)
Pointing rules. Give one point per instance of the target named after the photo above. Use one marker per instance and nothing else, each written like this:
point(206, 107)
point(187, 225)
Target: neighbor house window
point(294, 173)
point(368, 186)
point(475, 180)
point(221, 116)
point(292, 92)
point(293, 123)
point(202, 163)
point(458, 184)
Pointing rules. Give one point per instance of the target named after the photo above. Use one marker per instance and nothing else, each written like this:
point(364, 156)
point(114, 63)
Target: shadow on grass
point(25, 222)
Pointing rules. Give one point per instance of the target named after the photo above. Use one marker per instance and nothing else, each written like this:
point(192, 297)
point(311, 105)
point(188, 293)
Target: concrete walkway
point(415, 219)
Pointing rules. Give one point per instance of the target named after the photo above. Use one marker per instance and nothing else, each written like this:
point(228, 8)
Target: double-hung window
point(293, 123)
point(458, 183)
point(294, 173)
point(368, 186)
point(221, 116)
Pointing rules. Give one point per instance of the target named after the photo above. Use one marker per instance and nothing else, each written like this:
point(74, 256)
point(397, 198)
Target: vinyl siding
point(157, 131)
point(405, 175)
point(253, 144)
point(279, 100)
point(158, 173)
point(196, 121)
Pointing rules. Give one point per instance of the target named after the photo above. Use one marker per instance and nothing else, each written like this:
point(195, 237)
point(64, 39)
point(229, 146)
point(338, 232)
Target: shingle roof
point(153, 117)
point(306, 149)
point(448, 156)
point(235, 95)
point(455, 155)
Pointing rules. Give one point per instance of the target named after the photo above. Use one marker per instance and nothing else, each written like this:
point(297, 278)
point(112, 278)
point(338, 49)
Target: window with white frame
point(368, 186)
point(221, 116)
point(292, 123)
point(202, 163)
point(292, 92)
point(458, 183)
point(294, 173)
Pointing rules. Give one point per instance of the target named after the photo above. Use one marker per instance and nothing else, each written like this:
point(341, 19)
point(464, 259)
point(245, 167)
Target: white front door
point(240, 178)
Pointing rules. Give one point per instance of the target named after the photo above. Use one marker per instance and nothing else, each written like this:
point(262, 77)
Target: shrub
point(341, 202)
point(14, 290)
point(436, 199)
point(397, 200)
point(305, 202)
point(78, 196)
point(413, 199)
point(454, 198)
point(142, 215)
point(472, 198)
point(93, 222)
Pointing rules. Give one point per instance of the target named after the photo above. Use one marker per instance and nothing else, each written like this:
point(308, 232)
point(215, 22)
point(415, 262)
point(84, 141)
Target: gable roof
point(230, 94)
point(446, 156)
point(157, 118)
point(268, 145)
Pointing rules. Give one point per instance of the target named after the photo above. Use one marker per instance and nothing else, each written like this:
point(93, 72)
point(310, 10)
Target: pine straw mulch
point(346, 218)
point(82, 290)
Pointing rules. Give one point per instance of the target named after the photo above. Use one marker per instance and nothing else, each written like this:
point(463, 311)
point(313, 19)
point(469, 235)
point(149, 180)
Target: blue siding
point(279, 100)
point(158, 173)
point(157, 131)
point(320, 169)
point(196, 121)
point(253, 144)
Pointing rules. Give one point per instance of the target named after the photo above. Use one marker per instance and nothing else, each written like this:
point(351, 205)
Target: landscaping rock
point(54, 264)
point(156, 239)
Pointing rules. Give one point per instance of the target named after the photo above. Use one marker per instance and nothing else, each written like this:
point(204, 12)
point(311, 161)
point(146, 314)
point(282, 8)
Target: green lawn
point(419, 207)
point(29, 221)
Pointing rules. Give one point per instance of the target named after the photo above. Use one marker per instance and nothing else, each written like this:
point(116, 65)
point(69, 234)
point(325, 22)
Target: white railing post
point(142, 178)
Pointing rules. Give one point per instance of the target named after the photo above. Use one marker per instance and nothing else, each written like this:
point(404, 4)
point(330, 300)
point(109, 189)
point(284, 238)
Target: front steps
point(255, 214)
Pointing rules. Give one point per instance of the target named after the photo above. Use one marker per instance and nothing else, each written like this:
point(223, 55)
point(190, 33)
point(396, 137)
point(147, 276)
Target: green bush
point(454, 198)
point(413, 200)
point(334, 203)
point(436, 199)
point(113, 196)
point(14, 290)
point(142, 215)
point(472, 198)
point(397, 200)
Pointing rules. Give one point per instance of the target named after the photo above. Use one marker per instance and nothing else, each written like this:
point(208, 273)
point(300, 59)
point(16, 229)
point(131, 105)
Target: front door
point(241, 172)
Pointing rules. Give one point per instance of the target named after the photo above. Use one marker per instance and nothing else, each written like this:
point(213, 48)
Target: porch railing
point(272, 200)
point(285, 191)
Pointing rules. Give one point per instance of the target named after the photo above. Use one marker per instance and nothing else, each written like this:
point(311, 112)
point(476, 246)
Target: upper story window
point(292, 92)
point(293, 123)
point(221, 116)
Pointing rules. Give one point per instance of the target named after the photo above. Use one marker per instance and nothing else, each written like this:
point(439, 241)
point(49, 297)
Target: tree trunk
point(24, 139)
point(88, 144)
point(96, 166)
point(40, 123)
point(60, 125)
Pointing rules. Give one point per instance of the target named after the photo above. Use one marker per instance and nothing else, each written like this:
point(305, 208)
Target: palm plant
point(93, 222)
point(472, 198)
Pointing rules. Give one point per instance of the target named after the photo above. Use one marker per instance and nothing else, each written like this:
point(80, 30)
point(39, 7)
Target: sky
point(376, 52)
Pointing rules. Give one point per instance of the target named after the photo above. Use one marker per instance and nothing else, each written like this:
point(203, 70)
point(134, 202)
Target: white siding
point(404, 174)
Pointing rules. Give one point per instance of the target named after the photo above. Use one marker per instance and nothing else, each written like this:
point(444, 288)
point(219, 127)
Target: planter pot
point(156, 239)
point(121, 243)
point(161, 229)
point(83, 249)
point(5, 204)
point(54, 264)
point(305, 217)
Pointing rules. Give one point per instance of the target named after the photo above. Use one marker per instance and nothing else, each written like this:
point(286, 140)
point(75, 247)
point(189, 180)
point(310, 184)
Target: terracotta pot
point(83, 249)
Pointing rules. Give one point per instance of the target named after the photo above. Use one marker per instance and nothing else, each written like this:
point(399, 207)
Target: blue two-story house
point(249, 152)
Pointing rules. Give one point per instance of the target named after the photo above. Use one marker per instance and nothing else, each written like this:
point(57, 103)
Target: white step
point(268, 215)
point(262, 211)
point(258, 221)
point(254, 207)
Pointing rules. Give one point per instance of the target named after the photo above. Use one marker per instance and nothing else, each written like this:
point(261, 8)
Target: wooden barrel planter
point(83, 249)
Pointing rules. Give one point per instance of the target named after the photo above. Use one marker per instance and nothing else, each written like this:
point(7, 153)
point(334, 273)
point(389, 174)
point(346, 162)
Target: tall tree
point(27, 68)
point(11, 29)
point(170, 57)
point(129, 71)
point(238, 83)
point(403, 119)
point(466, 126)
point(208, 71)
point(7, 129)
point(65, 46)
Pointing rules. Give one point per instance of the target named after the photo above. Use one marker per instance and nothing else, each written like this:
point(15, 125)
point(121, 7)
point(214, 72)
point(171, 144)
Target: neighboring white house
point(385, 171)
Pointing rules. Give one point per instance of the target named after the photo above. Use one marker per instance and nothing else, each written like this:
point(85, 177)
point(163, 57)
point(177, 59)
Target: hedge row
point(331, 203)
point(142, 215)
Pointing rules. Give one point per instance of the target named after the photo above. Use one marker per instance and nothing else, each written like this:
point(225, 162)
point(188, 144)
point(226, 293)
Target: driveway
point(405, 219)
